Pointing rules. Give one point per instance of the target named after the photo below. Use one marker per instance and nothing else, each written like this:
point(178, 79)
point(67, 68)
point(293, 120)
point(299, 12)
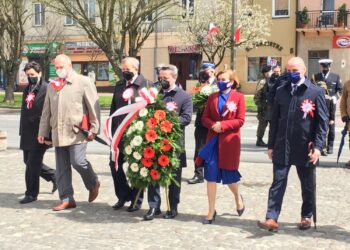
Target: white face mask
point(62, 73)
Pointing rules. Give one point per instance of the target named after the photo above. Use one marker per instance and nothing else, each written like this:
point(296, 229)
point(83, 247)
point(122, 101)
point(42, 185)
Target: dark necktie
point(294, 88)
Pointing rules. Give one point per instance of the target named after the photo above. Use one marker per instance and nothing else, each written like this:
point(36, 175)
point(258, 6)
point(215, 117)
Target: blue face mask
point(294, 77)
point(223, 85)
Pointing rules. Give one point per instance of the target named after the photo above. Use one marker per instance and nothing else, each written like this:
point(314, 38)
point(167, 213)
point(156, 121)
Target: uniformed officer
point(300, 117)
point(260, 99)
point(335, 89)
point(206, 75)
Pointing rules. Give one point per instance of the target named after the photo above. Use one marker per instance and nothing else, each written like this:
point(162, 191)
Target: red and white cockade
point(30, 99)
point(231, 107)
point(308, 107)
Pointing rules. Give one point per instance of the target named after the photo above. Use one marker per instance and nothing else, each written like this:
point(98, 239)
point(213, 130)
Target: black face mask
point(203, 77)
point(165, 84)
point(127, 75)
point(33, 80)
point(325, 71)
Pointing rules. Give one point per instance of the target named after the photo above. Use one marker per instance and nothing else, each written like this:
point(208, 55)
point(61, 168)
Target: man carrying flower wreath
point(206, 76)
point(130, 84)
point(175, 98)
point(297, 134)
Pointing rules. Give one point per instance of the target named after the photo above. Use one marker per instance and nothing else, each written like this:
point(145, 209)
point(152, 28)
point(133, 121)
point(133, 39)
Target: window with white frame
point(255, 65)
point(38, 14)
point(68, 20)
point(90, 10)
point(280, 8)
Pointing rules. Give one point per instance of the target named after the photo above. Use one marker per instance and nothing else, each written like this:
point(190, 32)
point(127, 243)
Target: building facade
point(325, 34)
point(48, 34)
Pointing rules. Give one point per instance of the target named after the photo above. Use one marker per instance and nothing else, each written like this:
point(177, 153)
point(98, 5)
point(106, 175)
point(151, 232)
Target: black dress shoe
point(207, 221)
point(260, 143)
point(119, 204)
point(196, 179)
point(152, 212)
point(54, 186)
point(330, 151)
point(131, 208)
point(27, 199)
point(170, 214)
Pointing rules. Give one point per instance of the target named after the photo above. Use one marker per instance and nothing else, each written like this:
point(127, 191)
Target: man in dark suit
point(335, 89)
point(171, 93)
point(33, 152)
point(299, 117)
point(206, 75)
point(131, 79)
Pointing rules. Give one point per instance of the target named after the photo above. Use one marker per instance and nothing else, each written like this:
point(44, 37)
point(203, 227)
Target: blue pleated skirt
point(212, 172)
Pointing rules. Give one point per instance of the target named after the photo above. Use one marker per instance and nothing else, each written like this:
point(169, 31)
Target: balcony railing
point(323, 20)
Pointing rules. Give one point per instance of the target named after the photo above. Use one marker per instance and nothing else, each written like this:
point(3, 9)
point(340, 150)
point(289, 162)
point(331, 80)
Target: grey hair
point(133, 61)
point(172, 68)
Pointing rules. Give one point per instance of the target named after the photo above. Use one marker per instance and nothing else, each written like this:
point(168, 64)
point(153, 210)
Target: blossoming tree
point(252, 19)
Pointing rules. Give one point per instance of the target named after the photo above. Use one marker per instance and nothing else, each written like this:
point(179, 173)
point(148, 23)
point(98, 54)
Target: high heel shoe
point(241, 211)
point(207, 221)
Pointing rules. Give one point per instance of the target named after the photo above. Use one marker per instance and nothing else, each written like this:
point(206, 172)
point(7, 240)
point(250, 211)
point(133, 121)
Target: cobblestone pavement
point(98, 226)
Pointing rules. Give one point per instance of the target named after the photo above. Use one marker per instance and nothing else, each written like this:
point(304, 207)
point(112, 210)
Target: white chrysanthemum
point(139, 125)
point(137, 141)
point(206, 90)
point(137, 156)
point(144, 172)
point(143, 112)
point(134, 167)
point(128, 150)
point(130, 130)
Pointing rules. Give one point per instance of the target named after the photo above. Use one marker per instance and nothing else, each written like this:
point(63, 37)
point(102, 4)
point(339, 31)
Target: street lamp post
point(233, 27)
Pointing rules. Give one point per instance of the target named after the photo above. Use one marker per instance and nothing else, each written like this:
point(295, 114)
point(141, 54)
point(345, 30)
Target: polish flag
point(237, 35)
point(212, 29)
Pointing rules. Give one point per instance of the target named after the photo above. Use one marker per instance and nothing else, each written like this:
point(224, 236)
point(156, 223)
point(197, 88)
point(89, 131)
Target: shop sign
point(192, 49)
point(84, 47)
point(341, 42)
point(39, 49)
point(268, 44)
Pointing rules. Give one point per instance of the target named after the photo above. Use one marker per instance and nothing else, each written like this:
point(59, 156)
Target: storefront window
point(280, 8)
point(102, 71)
point(256, 63)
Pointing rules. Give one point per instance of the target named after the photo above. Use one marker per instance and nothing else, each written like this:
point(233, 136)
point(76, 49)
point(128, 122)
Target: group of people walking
point(298, 116)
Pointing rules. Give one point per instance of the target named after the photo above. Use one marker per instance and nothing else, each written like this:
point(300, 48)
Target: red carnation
point(163, 161)
point(151, 135)
point(160, 115)
point(148, 152)
point(154, 175)
point(147, 162)
point(152, 123)
point(165, 145)
point(166, 126)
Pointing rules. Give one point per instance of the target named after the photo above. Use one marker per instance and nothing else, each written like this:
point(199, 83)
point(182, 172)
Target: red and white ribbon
point(308, 107)
point(132, 110)
point(128, 93)
point(231, 107)
point(57, 84)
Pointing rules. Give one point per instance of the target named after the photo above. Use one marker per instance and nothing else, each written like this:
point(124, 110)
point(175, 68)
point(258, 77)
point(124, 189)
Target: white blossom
point(137, 140)
point(128, 150)
point(134, 167)
point(137, 156)
point(144, 172)
point(139, 125)
point(143, 112)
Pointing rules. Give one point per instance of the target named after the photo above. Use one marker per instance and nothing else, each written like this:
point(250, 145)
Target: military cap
point(207, 65)
point(325, 62)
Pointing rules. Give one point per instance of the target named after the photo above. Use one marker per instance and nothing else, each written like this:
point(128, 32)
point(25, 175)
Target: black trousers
point(331, 133)
point(121, 187)
point(154, 199)
point(34, 169)
point(278, 188)
point(200, 136)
